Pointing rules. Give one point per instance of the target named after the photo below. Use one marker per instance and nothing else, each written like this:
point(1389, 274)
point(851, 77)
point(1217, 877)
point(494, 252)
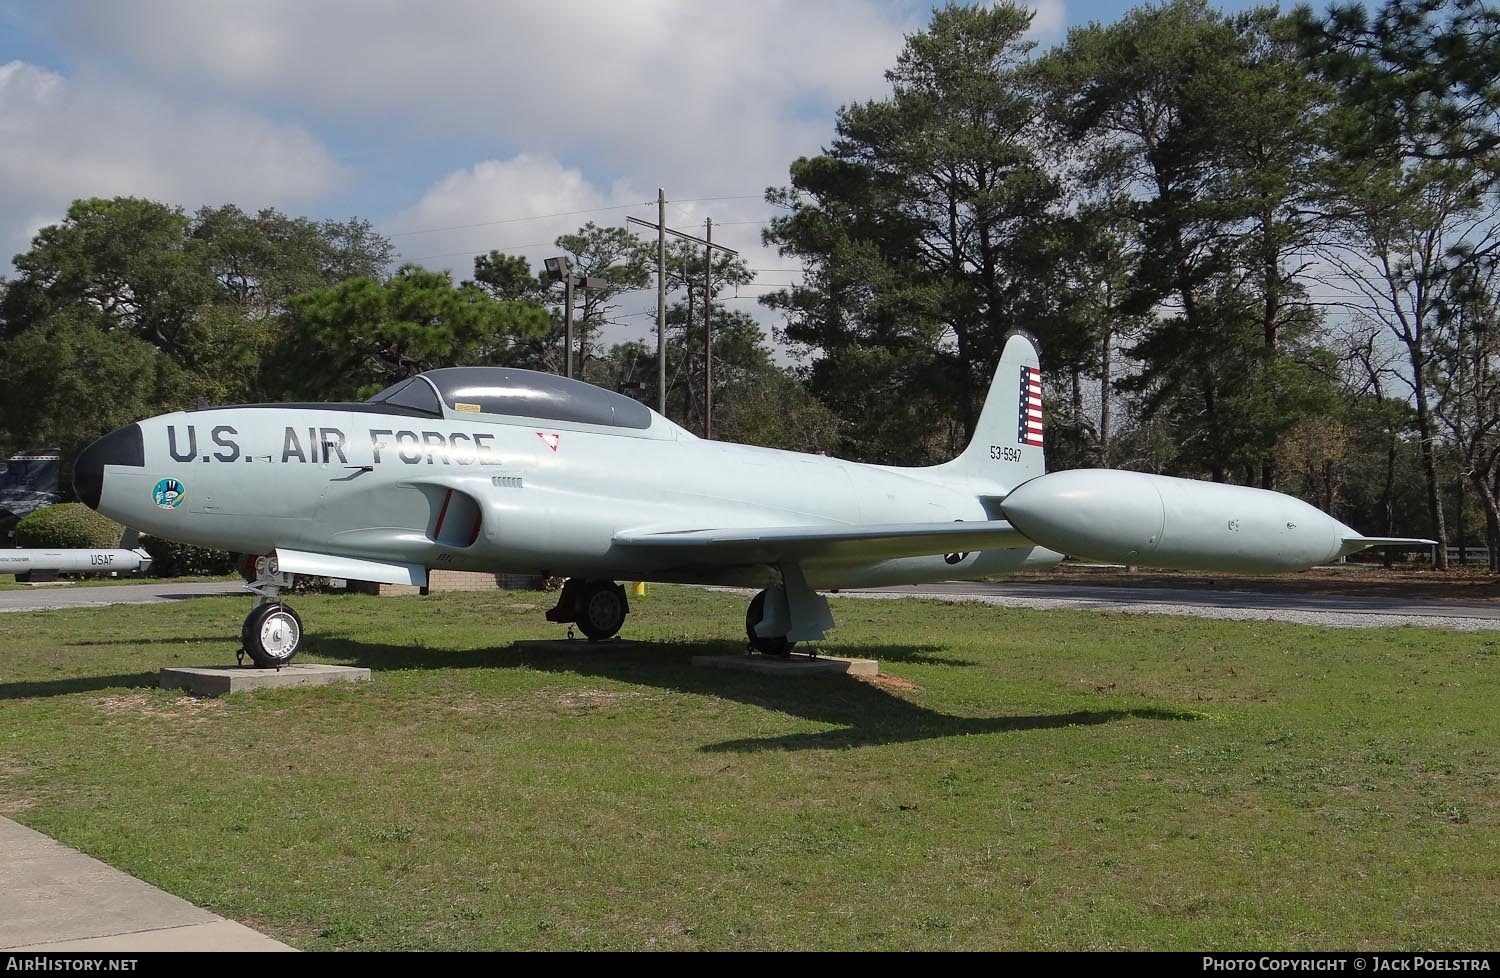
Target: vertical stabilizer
point(1007, 447)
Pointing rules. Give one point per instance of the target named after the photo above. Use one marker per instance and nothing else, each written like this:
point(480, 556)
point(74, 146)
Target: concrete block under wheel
point(218, 680)
point(796, 664)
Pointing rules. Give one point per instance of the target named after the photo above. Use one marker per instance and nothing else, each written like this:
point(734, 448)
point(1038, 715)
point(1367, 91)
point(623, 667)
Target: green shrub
point(68, 526)
point(172, 559)
point(303, 584)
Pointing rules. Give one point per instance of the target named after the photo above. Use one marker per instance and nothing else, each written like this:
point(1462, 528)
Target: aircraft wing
point(771, 545)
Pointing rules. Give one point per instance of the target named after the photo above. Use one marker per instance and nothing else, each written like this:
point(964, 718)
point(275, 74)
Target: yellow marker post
point(638, 589)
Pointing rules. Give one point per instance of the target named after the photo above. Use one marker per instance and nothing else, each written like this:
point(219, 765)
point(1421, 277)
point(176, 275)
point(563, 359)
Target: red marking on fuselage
point(437, 533)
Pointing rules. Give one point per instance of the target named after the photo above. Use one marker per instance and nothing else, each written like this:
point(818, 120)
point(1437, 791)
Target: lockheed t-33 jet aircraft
point(503, 470)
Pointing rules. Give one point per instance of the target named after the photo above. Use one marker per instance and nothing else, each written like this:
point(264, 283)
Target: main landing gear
point(776, 646)
point(781, 616)
point(272, 631)
point(597, 607)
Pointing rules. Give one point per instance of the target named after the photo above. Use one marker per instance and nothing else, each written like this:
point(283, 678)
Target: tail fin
point(1006, 449)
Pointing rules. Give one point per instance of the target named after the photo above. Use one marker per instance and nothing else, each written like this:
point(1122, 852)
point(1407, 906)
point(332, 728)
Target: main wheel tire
point(600, 610)
point(776, 646)
point(271, 635)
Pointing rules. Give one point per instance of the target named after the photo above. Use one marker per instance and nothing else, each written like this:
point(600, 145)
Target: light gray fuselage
point(505, 494)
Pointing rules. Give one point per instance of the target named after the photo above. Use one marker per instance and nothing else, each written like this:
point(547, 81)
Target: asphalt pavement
point(1346, 611)
point(1105, 596)
point(47, 597)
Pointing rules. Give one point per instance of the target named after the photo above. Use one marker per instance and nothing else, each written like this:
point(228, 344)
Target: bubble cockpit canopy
point(510, 392)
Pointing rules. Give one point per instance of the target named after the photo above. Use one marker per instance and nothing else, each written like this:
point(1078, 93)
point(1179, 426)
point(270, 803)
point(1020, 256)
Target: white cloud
point(565, 54)
point(701, 97)
point(579, 104)
point(1050, 22)
point(63, 138)
point(518, 206)
point(521, 205)
point(715, 95)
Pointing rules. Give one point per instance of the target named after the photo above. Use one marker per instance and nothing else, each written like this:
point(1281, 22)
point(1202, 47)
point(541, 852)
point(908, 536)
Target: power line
point(694, 200)
point(725, 224)
point(485, 251)
point(514, 220)
point(590, 210)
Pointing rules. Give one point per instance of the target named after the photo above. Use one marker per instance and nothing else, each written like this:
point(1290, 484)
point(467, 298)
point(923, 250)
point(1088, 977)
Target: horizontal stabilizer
point(1353, 545)
point(773, 545)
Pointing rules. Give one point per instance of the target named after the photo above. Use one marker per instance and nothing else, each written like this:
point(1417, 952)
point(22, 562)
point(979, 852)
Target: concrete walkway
point(78, 596)
point(57, 899)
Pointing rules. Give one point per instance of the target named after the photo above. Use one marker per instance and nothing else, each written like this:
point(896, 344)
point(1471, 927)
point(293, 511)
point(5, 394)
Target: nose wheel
point(271, 635)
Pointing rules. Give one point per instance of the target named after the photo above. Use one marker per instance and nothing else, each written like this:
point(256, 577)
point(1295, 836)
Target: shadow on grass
point(863, 713)
point(922, 655)
point(221, 638)
point(78, 684)
point(917, 723)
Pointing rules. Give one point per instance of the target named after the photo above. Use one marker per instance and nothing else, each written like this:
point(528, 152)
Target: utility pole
point(687, 389)
point(708, 332)
point(661, 302)
point(661, 229)
point(568, 319)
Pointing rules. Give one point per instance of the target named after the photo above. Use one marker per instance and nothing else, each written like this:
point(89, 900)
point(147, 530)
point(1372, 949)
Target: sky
point(455, 126)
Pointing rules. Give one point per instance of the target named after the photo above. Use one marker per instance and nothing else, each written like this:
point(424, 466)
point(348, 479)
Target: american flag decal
point(1030, 429)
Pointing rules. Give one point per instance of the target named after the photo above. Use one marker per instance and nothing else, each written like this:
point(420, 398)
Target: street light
point(559, 270)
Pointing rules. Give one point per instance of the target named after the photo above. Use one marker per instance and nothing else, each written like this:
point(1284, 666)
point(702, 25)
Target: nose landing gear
point(271, 635)
point(272, 632)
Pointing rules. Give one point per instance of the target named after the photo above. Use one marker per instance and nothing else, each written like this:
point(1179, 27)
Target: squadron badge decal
point(168, 494)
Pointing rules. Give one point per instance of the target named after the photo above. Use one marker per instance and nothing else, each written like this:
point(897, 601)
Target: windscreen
point(414, 393)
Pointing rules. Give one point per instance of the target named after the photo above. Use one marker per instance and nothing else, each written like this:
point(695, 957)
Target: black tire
point(600, 610)
point(777, 646)
point(271, 635)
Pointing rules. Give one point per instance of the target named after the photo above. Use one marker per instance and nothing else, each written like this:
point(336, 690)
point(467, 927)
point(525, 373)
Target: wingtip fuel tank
point(1159, 521)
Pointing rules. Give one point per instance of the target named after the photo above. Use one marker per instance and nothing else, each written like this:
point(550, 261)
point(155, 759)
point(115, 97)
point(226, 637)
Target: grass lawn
point(1023, 779)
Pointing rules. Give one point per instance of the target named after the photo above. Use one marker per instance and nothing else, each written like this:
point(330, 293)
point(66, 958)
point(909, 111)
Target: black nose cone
point(123, 446)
